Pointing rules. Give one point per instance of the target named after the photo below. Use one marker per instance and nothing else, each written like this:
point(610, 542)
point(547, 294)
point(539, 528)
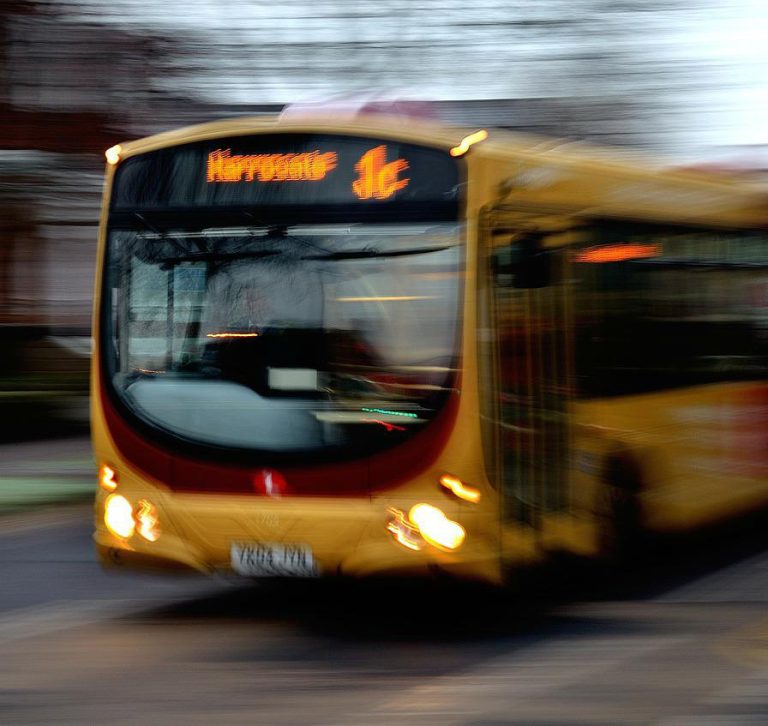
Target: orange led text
point(223, 166)
point(378, 179)
point(618, 253)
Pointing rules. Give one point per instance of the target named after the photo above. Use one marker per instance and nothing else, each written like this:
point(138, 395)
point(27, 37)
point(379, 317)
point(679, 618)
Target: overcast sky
point(708, 59)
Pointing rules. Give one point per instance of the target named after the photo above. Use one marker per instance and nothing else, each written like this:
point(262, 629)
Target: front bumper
point(347, 538)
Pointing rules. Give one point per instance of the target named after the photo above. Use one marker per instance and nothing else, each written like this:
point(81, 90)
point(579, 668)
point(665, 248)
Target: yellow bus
point(372, 346)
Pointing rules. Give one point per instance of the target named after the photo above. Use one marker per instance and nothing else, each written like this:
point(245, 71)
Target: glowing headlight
point(118, 516)
point(436, 528)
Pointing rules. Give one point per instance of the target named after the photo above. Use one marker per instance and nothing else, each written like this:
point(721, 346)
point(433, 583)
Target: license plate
point(273, 560)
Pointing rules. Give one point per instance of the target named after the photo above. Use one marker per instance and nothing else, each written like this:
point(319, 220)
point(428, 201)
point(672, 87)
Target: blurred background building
point(682, 77)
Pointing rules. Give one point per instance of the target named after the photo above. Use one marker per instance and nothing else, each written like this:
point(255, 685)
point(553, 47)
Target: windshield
point(284, 339)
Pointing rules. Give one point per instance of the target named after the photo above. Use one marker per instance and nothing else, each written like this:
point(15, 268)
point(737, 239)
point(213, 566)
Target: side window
point(659, 309)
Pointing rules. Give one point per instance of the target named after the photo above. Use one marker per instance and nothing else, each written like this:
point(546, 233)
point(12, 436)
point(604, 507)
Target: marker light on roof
point(113, 154)
point(468, 141)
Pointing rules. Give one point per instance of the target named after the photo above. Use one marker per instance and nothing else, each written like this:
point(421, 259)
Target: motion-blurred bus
point(368, 346)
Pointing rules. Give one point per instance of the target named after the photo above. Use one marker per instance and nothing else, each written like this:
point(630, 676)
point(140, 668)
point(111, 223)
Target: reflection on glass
point(284, 339)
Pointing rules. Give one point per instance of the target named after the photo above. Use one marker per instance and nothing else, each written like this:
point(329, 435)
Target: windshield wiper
point(151, 227)
point(371, 253)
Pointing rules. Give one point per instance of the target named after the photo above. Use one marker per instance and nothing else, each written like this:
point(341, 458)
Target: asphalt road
point(681, 640)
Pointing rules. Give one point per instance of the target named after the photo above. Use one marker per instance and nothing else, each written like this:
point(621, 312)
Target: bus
point(375, 347)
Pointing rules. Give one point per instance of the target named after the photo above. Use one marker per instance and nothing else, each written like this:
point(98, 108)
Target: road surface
point(682, 641)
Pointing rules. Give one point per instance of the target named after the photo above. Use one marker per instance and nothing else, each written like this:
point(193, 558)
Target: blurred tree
point(671, 73)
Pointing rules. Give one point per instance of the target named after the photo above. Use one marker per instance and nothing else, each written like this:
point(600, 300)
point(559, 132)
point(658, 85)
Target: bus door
point(529, 310)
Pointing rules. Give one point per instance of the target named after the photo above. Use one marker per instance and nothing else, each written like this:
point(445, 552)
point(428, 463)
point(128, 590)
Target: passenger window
point(664, 308)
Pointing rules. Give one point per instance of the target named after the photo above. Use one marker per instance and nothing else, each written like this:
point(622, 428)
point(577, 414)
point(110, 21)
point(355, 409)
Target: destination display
point(284, 170)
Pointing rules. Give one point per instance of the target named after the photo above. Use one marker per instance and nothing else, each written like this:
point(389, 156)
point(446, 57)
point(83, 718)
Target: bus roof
point(526, 171)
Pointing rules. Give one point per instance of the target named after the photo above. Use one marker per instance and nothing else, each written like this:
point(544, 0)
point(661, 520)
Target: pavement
point(45, 472)
point(674, 646)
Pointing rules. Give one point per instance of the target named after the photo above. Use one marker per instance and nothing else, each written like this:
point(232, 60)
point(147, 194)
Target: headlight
point(118, 516)
point(436, 528)
point(124, 520)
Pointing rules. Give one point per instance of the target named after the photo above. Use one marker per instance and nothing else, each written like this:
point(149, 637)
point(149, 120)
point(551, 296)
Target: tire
point(623, 536)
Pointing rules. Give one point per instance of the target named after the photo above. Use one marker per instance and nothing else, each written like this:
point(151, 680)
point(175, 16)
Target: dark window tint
point(661, 308)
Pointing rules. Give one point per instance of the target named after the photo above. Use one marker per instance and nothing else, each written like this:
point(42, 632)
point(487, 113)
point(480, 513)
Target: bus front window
point(285, 339)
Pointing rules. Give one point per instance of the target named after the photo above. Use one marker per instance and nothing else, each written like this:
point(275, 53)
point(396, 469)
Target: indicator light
point(460, 489)
point(404, 532)
point(468, 141)
point(113, 154)
point(436, 528)
point(118, 516)
point(147, 520)
point(107, 478)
